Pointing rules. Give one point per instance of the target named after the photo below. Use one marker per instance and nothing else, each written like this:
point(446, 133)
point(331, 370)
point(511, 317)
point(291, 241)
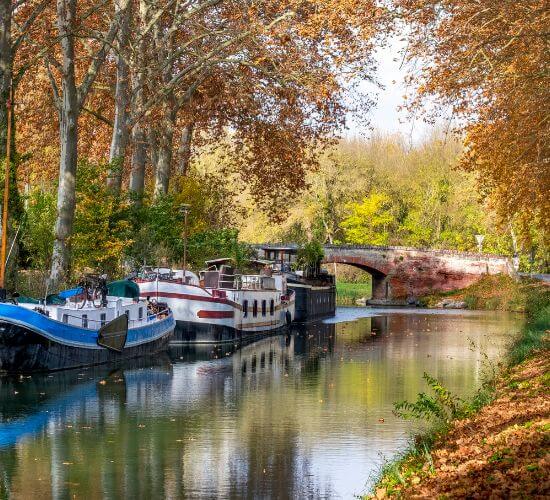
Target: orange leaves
point(484, 61)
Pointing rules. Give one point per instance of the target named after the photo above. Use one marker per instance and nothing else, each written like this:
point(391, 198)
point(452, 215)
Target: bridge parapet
point(403, 274)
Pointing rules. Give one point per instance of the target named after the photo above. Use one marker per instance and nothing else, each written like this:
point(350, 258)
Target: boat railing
point(228, 281)
point(148, 318)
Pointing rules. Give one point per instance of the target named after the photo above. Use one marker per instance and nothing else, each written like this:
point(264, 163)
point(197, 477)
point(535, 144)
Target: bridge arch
point(380, 283)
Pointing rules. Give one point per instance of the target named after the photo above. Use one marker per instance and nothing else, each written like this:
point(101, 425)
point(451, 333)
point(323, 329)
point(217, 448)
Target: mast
point(6, 195)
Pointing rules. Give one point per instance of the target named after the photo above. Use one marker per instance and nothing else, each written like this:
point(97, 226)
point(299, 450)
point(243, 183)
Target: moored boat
point(89, 325)
point(220, 305)
point(314, 288)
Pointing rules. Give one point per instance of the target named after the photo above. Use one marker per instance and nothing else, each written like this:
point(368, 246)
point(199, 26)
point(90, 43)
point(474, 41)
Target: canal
point(304, 414)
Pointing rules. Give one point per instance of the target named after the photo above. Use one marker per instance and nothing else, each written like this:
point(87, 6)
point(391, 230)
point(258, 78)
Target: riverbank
point(496, 444)
point(348, 293)
point(496, 293)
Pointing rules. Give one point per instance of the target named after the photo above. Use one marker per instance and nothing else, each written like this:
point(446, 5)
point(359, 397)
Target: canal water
point(307, 414)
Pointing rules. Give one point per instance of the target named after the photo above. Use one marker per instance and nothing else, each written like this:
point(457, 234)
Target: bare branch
point(55, 88)
point(98, 115)
point(95, 65)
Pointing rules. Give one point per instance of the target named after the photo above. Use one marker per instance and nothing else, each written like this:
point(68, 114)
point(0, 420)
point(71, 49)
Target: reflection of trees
point(212, 427)
point(8, 468)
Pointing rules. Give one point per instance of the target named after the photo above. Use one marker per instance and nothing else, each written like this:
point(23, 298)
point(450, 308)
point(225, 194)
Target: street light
point(184, 210)
point(479, 239)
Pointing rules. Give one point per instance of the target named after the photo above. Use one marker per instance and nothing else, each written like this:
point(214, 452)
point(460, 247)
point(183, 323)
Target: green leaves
point(37, 234)
point(441, 406)
point(371, 221)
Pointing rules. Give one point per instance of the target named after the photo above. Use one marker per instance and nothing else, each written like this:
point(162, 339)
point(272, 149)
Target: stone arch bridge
point(401, 274)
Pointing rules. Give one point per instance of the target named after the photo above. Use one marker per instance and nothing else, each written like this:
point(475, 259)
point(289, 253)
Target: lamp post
point(479, 239)
point(184, 210)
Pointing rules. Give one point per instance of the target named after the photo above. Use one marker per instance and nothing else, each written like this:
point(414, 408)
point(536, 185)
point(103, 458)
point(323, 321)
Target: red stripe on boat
point(215, 314)
point(186, 296)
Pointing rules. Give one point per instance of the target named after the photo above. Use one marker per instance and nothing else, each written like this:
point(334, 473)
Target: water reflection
point(292, 415)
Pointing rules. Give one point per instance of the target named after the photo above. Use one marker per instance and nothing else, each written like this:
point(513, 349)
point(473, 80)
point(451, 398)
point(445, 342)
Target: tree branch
point(55, 88)
point(95, 65)
point(98, 115)
point(27, 24)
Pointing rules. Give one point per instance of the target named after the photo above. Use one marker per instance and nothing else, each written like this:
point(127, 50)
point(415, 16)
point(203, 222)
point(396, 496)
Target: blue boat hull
point(31, 342)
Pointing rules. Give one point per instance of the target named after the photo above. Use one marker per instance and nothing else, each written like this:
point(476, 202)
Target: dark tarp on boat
point(52, 299)
point(27, 300)
point(55, 299)
point(124, 288)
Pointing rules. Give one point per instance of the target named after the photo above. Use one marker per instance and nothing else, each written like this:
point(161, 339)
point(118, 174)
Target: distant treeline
point(383, 191)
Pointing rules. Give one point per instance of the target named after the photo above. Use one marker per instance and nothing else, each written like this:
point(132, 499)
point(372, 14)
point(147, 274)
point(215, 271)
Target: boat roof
point(262, 262)
point(223, 260)
point(280, 248)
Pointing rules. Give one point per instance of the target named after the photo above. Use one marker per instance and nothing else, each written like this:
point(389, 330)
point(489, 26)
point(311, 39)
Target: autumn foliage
point(145, 87)
point(487, 62)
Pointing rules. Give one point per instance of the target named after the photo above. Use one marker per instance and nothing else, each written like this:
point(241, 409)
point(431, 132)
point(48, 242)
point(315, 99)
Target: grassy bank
point(498, 292)
point(493, 444)
point(348, 293)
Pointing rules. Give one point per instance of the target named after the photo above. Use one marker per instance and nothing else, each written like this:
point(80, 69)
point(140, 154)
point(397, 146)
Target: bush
point(533, 337)
point(442, 406)
point(102, 228)
point(37, 233)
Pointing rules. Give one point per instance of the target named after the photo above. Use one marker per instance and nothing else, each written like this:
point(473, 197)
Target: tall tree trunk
point(164, 156)
point(185, 148)
point(68, 136)
point(6, 64)
point(139, 159)
point(153, 147)
point(120, 137)
point(136, 184)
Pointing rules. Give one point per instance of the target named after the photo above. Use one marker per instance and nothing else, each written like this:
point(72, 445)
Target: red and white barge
point(220, 305)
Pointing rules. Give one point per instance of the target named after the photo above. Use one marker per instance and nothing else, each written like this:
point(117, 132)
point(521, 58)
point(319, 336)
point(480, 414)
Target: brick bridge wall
point(401, 274)
point(404, 274)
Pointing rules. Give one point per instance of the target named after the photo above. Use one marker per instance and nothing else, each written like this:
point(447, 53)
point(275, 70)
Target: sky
point(385, 117)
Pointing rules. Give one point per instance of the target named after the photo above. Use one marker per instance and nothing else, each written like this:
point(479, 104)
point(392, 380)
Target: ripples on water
point(303, 414)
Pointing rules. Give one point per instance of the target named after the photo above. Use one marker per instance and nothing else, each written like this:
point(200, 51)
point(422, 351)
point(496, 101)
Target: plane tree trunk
point(69, 100)
point(185, 148)
point(164, 153)
point(67, 105)
point(119, 142)
point(6, 65)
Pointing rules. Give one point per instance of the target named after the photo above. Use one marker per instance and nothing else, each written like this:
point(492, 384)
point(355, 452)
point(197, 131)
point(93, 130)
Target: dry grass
point(498, 292)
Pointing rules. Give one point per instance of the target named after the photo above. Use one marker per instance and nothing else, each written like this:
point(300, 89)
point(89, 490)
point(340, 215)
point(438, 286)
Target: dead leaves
point(501, 452)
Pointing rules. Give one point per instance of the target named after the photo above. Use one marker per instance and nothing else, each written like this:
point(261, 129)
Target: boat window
point(127, 312)
point(245, 308)
point(255, 309)
point(84, 321)
point(264, 307)
point(103, 318)
point(140, 313)
point(65, 318)
point(271, 307)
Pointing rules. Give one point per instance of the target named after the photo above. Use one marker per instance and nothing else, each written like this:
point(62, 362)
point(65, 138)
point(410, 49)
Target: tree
point(69, 99)
point(371, 221)
point(141, 79)
point(487, 62)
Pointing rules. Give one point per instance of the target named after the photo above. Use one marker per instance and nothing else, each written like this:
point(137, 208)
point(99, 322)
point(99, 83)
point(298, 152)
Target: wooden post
point(185, 246)
point(6, 197)
point(184, 210)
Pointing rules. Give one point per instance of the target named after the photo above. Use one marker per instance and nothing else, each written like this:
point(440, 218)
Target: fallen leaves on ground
point(502, 452)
